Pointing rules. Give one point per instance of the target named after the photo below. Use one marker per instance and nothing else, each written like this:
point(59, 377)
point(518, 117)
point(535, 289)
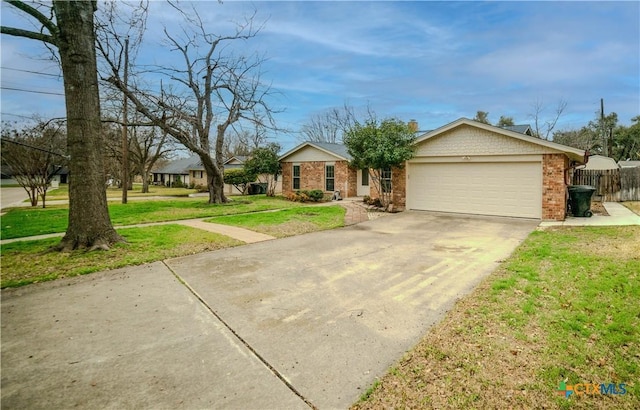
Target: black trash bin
point(257, 188)
point(580, 200)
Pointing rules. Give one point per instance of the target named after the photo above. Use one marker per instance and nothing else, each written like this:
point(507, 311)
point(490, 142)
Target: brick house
point(463, 167)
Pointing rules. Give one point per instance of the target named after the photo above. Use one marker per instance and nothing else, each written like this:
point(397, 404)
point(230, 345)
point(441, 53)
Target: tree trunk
point(145, 181)
point(215, 184)
point(89, 222)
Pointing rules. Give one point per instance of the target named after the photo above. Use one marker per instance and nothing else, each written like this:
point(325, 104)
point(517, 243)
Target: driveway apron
point(329, 312)
point(123, 339)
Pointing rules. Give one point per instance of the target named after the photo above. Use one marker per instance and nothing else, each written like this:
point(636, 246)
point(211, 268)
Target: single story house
point(191, 171)
point(462, 167)
point(178, 170)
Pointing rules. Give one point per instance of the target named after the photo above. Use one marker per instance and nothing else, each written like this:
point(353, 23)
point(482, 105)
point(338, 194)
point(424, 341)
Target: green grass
point(29, 261)
point(288, 222)
point(62, 192)
point(564, 306)
point(22, 222)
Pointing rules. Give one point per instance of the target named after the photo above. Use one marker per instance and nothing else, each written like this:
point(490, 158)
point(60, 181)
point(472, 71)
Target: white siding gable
point(309, 153)
point(467, 140)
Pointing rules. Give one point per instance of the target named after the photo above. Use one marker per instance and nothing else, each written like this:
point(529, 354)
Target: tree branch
point(52, 38)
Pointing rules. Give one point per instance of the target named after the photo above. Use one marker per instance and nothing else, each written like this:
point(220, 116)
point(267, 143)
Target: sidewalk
point(619, 215)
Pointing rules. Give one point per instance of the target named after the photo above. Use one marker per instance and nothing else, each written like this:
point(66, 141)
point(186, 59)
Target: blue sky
point(430, 61)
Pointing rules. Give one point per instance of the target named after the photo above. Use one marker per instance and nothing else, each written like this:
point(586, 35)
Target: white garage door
point(490, 188)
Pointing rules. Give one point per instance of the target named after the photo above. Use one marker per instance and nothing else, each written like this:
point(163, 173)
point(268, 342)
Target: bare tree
point(70, 29)
point(243, 142)
point(34, 156)
point(544, 128)
point(147, 146)
point(213, 90)
point(329, 126)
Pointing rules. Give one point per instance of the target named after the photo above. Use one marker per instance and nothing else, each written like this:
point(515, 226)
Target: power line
point(31, 91)
point(34, 148)
point(31, 72)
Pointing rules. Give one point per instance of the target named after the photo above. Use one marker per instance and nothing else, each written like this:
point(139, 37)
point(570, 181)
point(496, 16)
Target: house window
point(329, 177)
point(385, 180)
point(201, 174)
point(296, 177)
point(365, 177)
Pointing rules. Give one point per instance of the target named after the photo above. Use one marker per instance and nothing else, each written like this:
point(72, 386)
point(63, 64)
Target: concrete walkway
point(619, 215)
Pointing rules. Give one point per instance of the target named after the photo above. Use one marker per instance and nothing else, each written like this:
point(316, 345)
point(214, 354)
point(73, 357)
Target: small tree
point(239, 178)
point(505, 121)
point(482, 116)
point(380, 147)
point(265, 164)
point(33, 156)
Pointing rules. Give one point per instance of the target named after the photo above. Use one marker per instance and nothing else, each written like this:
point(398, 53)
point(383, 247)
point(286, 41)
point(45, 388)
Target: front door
point(363, 182)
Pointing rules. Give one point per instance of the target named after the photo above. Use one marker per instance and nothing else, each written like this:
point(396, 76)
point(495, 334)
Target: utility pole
point(605, 147)
point(125, 125)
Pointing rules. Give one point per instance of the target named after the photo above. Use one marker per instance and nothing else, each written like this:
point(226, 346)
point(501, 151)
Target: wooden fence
point(612, 185)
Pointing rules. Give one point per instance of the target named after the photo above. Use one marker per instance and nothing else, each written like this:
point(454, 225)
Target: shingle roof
point(521, 128)
point(181, 166)
point(337, 149)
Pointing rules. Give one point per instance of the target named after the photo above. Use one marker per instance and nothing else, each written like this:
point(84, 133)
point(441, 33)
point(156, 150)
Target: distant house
point(629, 164)
point(178, 170)
point(521, 129)
point(191, 172)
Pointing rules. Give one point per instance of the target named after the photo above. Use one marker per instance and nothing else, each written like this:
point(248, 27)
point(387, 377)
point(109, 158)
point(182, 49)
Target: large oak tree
point(70, 29)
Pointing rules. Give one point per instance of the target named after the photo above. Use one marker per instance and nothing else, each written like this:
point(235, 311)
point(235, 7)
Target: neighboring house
point(521, 129)
point(462, 167)
point(600, 162)
point(190, 171)
point(629, 164)
point(176, 170)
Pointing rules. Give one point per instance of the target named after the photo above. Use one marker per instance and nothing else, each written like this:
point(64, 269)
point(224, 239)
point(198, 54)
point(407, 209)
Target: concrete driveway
point(307, 321)
point(12, 196)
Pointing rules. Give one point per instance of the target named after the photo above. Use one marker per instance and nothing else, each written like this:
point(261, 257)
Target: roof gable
point(464, 137)
point(317, 151)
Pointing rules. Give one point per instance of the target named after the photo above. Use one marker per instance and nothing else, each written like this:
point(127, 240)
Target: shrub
point(315, 195)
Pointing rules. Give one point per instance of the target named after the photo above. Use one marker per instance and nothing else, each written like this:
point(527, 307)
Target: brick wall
point(554, 187)
point(312, 176)
point(399, 188)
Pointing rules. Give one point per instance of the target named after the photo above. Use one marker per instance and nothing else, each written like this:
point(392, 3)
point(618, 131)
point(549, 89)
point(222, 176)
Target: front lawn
point(288, 222)
point(563, 307)
point(22, 222)
point(28, 261)
point(62, 192)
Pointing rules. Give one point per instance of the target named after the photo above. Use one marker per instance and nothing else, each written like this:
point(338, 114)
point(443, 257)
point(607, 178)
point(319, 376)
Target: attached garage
point(473, 168)
point(486, 188)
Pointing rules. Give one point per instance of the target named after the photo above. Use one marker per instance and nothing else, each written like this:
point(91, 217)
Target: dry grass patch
point(634, 206)
point(562, 307)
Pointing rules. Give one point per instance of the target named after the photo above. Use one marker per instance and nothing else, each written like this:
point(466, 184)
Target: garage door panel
point(505, 189)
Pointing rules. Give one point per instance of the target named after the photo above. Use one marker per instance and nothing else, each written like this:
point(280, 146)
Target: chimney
point(413, 125)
